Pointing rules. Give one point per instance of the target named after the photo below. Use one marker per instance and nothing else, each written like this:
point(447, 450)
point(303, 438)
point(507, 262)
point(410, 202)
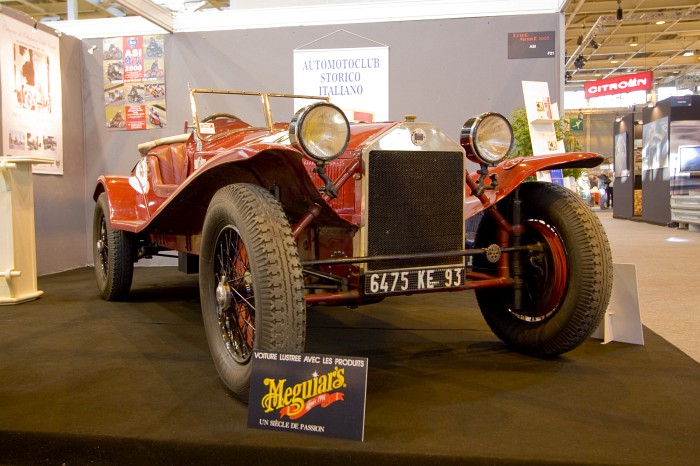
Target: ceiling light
point(594, 44)
point(661, 21)
point(579, 41)
point(634, 42)
point(688, 53)
point(613, 60)
point(619, 10)
point(579, 62)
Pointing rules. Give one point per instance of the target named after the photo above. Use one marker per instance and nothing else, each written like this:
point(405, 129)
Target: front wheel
point(250, 282)
point(113, 254)
point(566, 283)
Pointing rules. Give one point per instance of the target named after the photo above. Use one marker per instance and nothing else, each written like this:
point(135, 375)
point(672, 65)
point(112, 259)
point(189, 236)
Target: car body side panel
point(183, 211)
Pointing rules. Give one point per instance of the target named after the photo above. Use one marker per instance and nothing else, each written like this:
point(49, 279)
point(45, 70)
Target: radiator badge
point(418, 137)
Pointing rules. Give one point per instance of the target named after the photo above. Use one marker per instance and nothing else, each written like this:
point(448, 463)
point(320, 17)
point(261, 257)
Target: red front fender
point(514, 171)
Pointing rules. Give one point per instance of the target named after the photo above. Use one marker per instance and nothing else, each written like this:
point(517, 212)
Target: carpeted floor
point(85, 382)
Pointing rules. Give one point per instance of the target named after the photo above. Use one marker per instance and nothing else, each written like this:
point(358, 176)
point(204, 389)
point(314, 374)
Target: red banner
point(619, 85)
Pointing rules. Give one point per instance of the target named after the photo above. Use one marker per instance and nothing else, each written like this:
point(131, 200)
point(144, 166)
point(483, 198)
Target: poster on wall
point(655, 144)
point(134, 82)
point(30, 73)
point(621, 168)
point(355, 79)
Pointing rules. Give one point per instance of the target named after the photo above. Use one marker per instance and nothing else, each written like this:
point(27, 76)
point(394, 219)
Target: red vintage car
point(280, 216)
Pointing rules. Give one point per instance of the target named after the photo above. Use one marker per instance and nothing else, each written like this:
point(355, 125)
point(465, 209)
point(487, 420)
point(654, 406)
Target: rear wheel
point(566, 286)
point(250, 282)
point(113, 254)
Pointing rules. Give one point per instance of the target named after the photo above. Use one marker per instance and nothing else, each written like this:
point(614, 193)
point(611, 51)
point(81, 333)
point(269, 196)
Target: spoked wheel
point(235, 297)
point(113, 254)
point(250, 282)
point(567, 278)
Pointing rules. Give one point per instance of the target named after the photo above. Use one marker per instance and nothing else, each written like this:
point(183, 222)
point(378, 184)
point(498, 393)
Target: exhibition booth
point(86, 380)
point(657, 163)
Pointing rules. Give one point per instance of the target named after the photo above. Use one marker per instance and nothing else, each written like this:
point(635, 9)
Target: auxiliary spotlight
point(579, 62)
point(595, 44)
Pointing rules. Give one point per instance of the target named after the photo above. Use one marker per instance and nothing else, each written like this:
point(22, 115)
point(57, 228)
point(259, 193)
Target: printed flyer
point(134, 82)
point(308, 393)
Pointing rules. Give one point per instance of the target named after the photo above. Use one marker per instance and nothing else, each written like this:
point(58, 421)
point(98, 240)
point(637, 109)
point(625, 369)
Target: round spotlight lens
point(487, 138)
point(321, 131)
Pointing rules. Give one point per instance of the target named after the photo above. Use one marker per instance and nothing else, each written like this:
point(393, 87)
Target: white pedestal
point(17, 244)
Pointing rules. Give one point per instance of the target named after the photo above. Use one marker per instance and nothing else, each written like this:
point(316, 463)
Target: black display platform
point(84, 381)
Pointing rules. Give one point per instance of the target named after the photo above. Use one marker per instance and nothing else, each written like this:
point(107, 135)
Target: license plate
point(398, 281)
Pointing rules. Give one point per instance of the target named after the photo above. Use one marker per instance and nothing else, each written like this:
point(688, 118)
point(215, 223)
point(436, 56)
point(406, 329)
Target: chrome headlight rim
point(312, 148)
point(478, 150)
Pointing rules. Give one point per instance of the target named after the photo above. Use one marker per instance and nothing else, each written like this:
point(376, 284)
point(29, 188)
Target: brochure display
point(18, 282)
point(541, 115)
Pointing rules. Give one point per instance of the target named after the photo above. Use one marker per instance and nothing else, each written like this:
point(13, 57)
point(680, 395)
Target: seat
point(168, 167)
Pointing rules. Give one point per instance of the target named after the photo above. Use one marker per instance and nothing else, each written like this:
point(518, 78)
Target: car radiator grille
point(414, 205)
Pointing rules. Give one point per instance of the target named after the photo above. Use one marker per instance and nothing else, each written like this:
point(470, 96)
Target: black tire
point(113, 254)
point(566, 288)
point(250, 282)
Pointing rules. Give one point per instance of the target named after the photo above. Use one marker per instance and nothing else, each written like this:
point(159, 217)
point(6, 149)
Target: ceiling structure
point(54, 10)
point(598, 45)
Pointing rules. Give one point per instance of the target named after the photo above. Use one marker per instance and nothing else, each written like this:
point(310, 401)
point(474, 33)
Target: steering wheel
point(214, 116)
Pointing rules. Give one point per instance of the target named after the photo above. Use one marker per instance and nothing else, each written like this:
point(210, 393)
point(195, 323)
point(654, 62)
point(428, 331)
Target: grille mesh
point(414, 205)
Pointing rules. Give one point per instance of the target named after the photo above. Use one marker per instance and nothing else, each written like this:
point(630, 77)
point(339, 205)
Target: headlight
point(487, 138)
point(321, 131)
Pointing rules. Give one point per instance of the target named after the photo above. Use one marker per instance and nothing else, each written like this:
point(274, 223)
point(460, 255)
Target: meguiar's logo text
point(296, 400)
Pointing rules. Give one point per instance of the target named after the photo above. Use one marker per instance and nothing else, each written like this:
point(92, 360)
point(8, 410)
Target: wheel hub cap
point(223, 294)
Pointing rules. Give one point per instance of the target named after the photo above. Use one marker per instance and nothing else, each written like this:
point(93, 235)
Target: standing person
point(593, 189)
point(609, 191)
point(603, 183)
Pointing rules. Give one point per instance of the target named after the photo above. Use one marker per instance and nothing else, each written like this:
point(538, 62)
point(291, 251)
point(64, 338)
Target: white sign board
point(355, 79)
